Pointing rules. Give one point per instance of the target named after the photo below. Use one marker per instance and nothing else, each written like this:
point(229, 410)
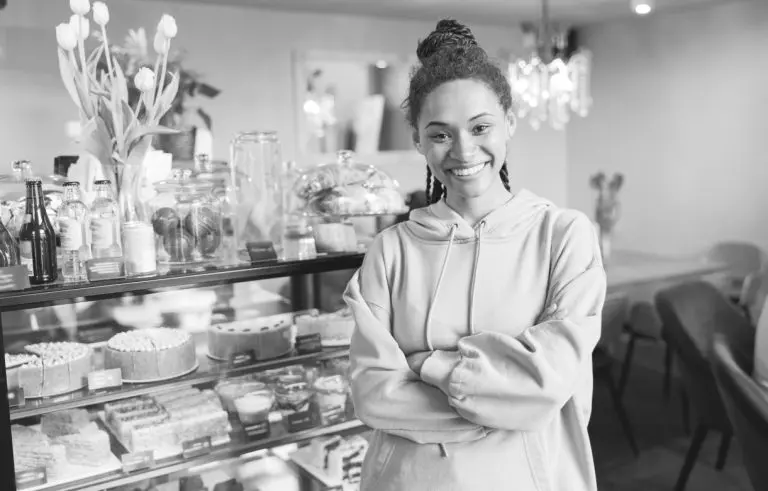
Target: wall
point(680, 104)
point(244, 52)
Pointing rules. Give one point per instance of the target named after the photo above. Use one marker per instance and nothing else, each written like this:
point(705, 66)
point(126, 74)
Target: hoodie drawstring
point(428, 328)
point(474, 277)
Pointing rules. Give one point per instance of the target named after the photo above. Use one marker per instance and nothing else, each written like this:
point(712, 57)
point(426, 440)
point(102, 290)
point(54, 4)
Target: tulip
point(80, 26)
point(167, 26)
point(66, 37)
point(80, 7)
point(100, 13)
point(144, 80)
point(160, 44)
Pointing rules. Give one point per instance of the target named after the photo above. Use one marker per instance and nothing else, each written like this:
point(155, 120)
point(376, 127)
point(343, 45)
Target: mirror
point(351, 100)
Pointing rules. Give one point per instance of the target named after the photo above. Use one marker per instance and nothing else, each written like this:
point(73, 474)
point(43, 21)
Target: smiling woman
point(476, 318)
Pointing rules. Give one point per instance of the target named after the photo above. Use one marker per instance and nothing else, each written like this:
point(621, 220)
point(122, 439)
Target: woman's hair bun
point(448, 34)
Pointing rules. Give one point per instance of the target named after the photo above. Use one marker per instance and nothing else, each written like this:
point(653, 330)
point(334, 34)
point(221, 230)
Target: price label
point(15, 397)
point(243, 358)
point(196, 447)
point(104, 268)
point(138, 460)
point(32, 477)
point(14, 278)
point(105, 379)
point(309, 343)
point(303, 420)
point(261, 251)
point(257, 430)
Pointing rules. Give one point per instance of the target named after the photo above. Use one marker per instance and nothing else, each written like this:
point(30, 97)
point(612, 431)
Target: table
point(628, 269)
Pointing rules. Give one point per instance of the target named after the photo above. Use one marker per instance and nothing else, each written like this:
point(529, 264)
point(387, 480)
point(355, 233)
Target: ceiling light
point(642, 7)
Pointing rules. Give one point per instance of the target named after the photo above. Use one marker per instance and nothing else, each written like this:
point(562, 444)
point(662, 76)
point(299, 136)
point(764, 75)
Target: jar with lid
point(186, 219)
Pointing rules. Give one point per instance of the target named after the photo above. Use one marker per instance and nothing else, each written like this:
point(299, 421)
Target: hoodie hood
point(439, 222)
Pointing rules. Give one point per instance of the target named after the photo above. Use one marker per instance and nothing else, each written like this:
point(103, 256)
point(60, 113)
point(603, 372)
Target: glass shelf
point(210, 371)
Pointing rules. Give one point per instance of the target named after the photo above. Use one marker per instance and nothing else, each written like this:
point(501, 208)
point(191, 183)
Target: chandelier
point(549, 83)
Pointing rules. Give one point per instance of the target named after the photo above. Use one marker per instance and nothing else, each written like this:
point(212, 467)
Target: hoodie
point(507, 314)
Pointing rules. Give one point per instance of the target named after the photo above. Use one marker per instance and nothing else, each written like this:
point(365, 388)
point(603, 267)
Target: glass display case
point(199, 379)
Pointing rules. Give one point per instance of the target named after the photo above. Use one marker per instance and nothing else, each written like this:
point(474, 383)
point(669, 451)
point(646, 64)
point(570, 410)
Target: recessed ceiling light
point(642, 7)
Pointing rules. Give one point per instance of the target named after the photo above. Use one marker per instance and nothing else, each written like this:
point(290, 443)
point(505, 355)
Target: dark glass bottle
point(9, 248)
point(37, 237)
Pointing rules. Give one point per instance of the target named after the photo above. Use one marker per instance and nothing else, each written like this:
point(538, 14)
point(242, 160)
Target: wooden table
point(628, 269)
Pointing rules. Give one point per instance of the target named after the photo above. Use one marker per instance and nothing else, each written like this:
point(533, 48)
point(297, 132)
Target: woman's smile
point(468, 171)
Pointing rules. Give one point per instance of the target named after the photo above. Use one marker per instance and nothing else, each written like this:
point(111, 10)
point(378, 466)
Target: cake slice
point(89, 447)
point(67, 422)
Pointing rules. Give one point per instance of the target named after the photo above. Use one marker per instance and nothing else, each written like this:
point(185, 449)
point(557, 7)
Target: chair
point(753, 294)
point(742, 259)
point(691, 313)
point(614, 317)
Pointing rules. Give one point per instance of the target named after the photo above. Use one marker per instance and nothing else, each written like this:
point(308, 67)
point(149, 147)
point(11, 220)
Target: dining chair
point(614, 316)
point(746, 402)
point(691, 313)
point(742, 258)
point(754, 291)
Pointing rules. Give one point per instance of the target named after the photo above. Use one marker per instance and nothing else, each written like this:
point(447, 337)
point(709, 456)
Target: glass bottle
point(37, 238)
point(9, 249)
point(73, 223)
point(105, 222)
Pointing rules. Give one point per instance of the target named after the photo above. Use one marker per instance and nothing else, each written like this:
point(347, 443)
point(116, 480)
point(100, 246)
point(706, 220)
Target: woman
point(476, 318)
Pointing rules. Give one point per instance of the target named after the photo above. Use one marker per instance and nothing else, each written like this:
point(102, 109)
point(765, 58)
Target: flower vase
point(138, 237)
point(605, 244)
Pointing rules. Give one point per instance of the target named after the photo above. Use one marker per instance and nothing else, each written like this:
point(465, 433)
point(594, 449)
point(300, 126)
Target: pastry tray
point(162, 379)
point(79, 472)
point(303, 458)
point(165, 451)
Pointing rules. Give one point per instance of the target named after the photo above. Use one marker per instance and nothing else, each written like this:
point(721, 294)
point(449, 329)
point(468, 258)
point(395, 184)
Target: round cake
point(335, 328)
point(146, 355)
point(51, 369)
point(268, 337)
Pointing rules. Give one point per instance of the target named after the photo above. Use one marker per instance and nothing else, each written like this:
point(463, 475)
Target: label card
point(30, 478)
point(302, 420)
point(14, 278)
point(15, 397)
point(138, 460)
point(243, 358)
point(261, 251)
point(196, 447)
point(105, 379)
point(332, 415)
point(258, 430)
point(105, 268)
point(309, 343)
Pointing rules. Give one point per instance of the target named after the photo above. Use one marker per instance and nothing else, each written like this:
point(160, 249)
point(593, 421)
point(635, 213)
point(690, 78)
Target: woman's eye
point(482, 129)
point(439, 138)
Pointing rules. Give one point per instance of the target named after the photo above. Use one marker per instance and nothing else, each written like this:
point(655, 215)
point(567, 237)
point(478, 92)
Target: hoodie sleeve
point(386, 393)
point(520, 383)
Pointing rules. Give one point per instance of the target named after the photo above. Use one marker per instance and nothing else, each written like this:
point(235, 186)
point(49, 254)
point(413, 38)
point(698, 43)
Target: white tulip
point(65, 36)
point(160, 44)
point(167, 26)
point(144, 80)
point(100, 13)
point(80, 7)
point(80, 26)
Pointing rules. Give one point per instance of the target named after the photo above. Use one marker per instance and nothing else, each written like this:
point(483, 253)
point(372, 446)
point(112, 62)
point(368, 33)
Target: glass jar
point(186, 219)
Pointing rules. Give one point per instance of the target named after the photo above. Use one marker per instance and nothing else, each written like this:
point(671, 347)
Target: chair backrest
point(615, 312)
point(742, 258)
point(690, 313)
point(745, 401)
point(754, 292)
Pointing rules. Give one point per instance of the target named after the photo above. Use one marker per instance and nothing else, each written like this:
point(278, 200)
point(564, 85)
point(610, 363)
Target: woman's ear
point(511, 123)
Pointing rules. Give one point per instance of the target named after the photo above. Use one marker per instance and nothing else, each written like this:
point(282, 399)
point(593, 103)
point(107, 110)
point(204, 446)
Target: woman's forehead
point(459, 101)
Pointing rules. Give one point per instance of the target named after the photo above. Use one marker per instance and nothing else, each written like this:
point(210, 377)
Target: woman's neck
point(472, 210)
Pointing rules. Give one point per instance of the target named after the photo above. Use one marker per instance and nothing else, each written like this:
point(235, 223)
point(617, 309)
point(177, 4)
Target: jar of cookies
point(186, 218)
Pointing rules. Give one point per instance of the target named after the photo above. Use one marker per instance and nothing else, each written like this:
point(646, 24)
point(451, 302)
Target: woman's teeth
point(468, 171)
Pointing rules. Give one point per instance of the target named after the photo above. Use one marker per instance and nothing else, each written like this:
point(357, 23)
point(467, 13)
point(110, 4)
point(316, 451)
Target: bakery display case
point(191, 380)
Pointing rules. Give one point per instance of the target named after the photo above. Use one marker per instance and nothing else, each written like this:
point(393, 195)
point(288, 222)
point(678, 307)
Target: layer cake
point(268, 337)
point(51, 369)
point(146, 355)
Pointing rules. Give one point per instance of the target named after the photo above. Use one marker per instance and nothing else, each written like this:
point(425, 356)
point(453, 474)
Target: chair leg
point(690, 458)
point(722, 452)
point(627, 364)
point(686, 406)
point(621, 412)
point(667, 372)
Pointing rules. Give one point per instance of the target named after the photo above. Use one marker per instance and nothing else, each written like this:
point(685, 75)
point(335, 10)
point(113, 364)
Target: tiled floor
point(659, 431)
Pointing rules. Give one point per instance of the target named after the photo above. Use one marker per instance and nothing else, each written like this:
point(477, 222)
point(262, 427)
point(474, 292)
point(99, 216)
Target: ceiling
point(499, 12)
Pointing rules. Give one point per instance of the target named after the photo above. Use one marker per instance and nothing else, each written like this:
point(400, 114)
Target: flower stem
point(107, 55)
point(81, 50)
point(161, 85)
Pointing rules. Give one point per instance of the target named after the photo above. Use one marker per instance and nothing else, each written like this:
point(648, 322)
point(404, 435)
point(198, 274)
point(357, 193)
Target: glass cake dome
point(345, 188)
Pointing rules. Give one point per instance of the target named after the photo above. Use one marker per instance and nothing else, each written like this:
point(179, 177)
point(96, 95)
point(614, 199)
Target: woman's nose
point(464, 147)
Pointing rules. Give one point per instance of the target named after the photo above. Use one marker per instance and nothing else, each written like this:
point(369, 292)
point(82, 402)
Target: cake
point(335, 328)
point(51, 369)
point(341, 459)
point(146, 355)
point(66, 422)
point(268, 337)
point(33, 450)
point(331, 396)
point(90, 446)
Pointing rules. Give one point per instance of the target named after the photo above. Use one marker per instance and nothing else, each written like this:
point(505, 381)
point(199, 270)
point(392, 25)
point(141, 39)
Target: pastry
point(90, 446)
point(33, 450)
point(268, 337)
point(331, 395)
point(66, 422)
point(341, 459)
point(254, 407)
point(55, 368)
point(335, 328)
point(151, 354)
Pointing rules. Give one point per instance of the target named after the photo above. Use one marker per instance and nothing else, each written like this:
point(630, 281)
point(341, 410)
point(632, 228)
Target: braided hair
point(449, 53)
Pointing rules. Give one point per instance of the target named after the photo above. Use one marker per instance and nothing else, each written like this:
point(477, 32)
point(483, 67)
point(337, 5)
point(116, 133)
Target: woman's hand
point(417, 359)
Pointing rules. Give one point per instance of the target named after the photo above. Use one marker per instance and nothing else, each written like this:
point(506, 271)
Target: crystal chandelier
point(548, 85)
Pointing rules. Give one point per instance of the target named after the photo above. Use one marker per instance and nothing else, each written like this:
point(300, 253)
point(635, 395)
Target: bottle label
point(71, 234)
point(25, 253)
point(102, 232)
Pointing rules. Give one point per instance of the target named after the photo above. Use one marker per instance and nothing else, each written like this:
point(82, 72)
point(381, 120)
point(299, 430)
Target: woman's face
point(463, 133)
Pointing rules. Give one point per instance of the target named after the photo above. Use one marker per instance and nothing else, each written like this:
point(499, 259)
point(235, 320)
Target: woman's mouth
point(468, 171)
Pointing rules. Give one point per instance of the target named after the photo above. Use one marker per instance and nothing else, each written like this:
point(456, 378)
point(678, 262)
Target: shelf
point(209, 372)
point(202, 276)
point(179, 464)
